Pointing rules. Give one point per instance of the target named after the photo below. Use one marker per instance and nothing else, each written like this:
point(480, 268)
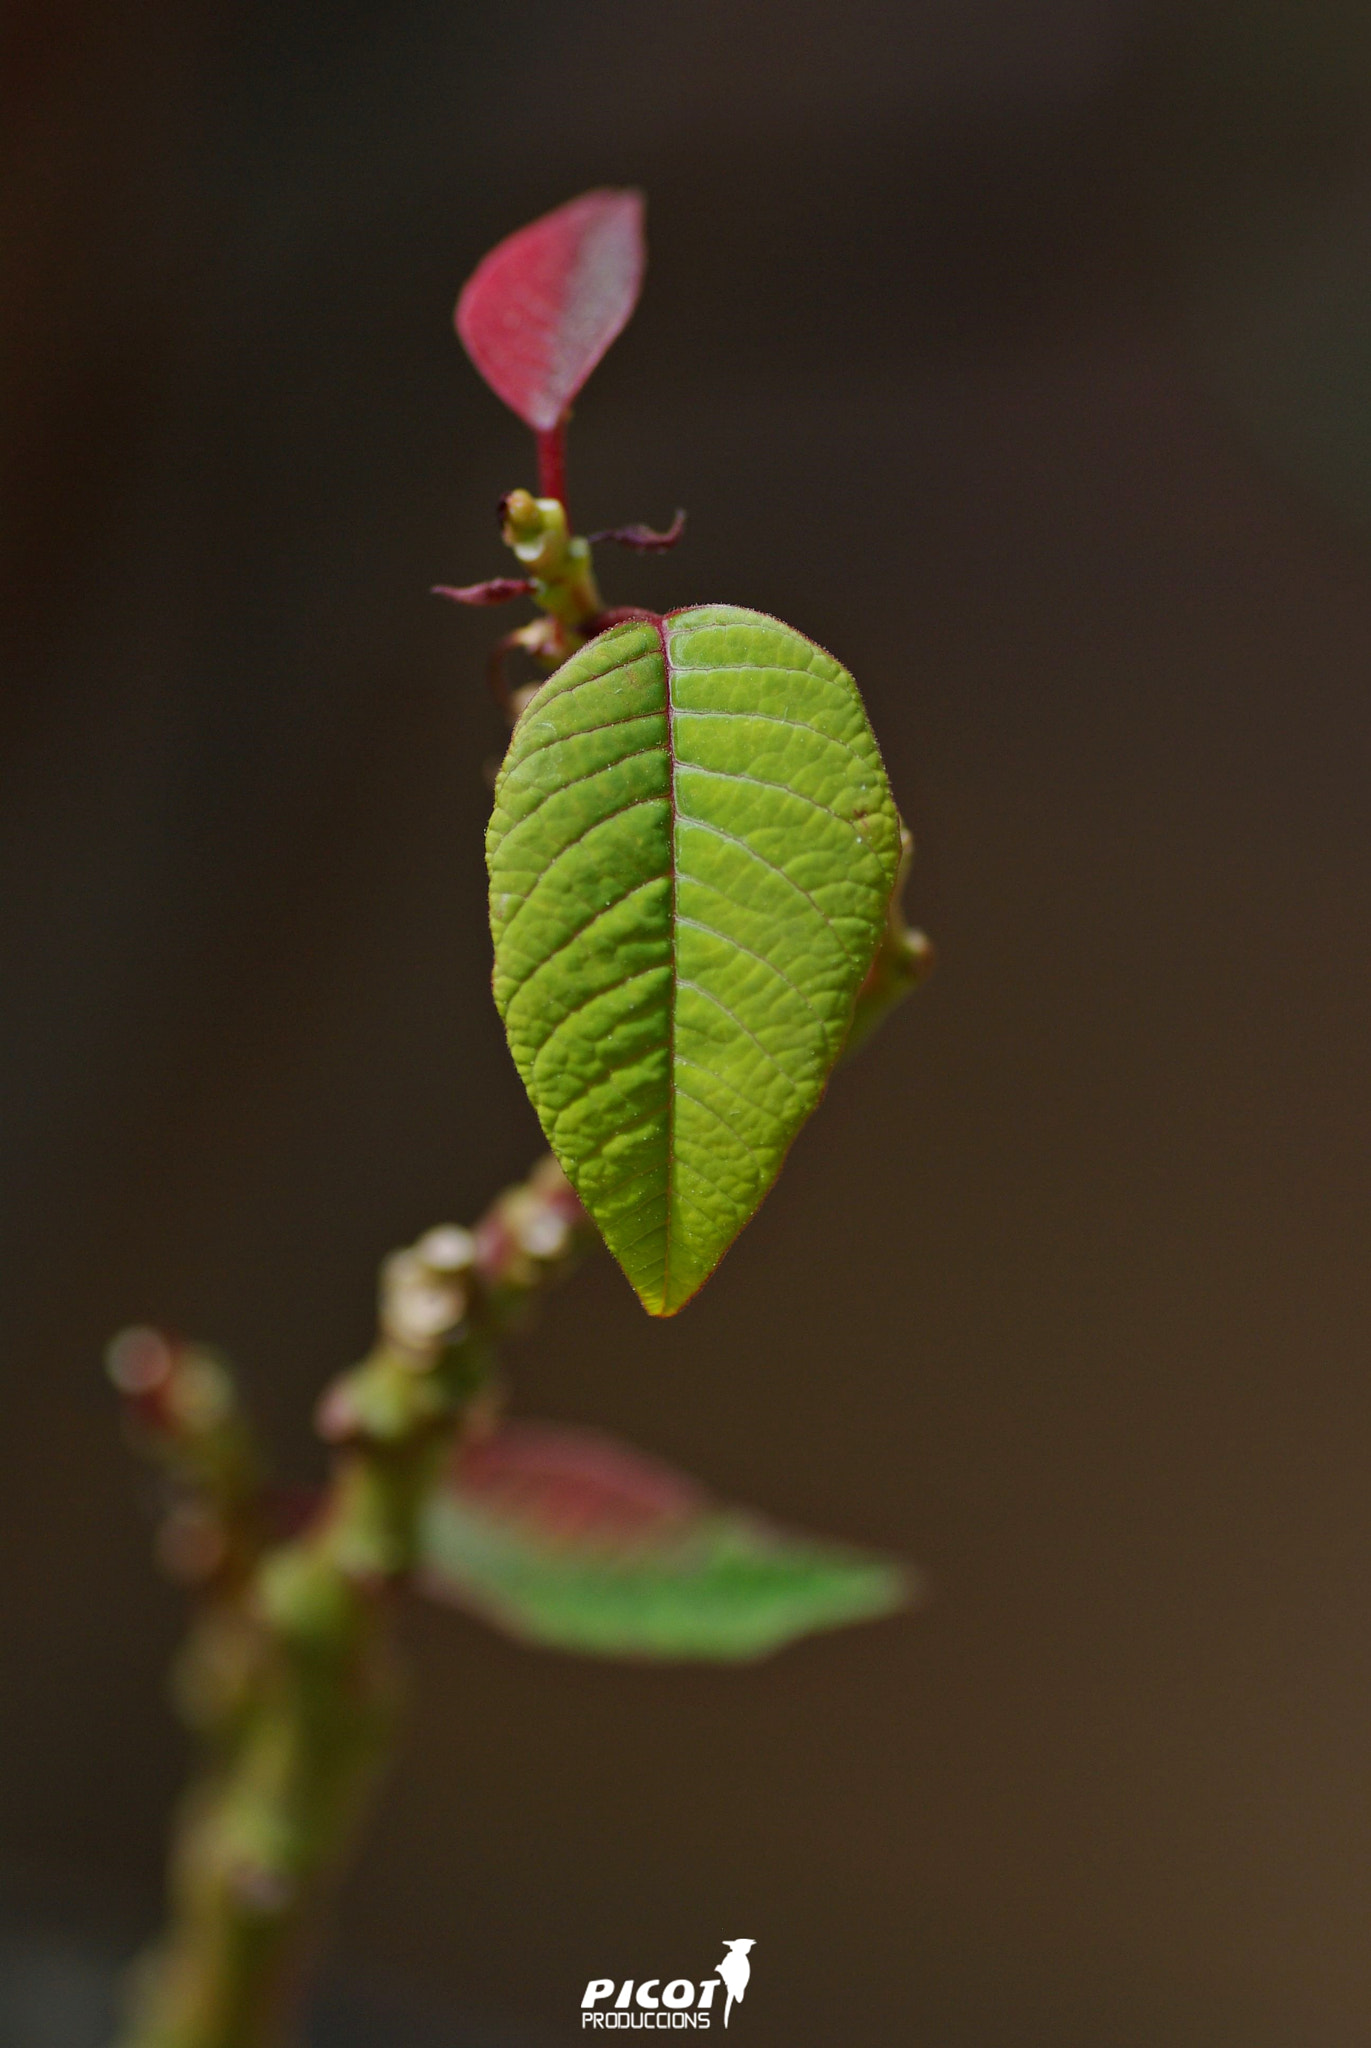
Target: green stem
point(903, 959)
point(262, 1835)
point(288, 1678)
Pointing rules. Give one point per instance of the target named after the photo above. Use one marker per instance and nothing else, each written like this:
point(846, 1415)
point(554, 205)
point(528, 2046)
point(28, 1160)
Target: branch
point(286, 1678)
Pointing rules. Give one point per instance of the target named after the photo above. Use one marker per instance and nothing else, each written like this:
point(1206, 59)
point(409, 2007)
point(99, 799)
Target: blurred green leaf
point(692, 856)
point(564, 1538)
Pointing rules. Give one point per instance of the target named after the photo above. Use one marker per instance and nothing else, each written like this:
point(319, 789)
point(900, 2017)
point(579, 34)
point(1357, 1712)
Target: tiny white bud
point(418, 1312)
point(542, 1233)
point(447, 1249)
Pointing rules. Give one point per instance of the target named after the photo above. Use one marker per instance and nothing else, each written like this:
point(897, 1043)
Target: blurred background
point(1021, 354)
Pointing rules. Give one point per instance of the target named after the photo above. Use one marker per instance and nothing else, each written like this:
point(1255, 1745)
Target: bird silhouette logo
point(735, 1969)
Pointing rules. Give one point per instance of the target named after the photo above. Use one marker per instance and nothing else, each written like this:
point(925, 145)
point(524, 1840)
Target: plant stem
point(288, 1677)
point(552, 463)
point(903, 959)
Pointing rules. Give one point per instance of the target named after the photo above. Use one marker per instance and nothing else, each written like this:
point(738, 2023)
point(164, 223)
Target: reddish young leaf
point(539, 311)
point(645, 540)
point(564, 1537)
point(497, 590)
point(574, 1485)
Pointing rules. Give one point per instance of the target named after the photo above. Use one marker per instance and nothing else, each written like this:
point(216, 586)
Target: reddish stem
point(552, 462)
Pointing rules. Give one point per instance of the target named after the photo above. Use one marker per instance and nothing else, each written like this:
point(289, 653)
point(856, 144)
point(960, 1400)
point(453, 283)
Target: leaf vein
point(611, 988)
point(600, 675)
point(571, 938)
point(767, 718)
point(719, 1081)
point(570, 846)
point(705, 825)
point(764, 782)
point(617, 1187)
point(571, 782)
point(698, 924)
point(737, 1136)
point(622, 1130)
point(734, 1018)
point(582, 732)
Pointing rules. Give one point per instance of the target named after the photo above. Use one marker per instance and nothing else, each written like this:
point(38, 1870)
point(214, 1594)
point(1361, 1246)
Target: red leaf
point(646, 540)
point(539, 311)
point(499, 590)
point(574, 1485)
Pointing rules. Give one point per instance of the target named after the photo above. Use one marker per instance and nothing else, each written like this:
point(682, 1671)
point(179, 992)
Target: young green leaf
point(565, 1538)
point(691, 856)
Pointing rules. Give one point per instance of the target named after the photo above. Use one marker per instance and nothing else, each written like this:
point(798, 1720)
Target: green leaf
point(565, 1538)
point(691, 856)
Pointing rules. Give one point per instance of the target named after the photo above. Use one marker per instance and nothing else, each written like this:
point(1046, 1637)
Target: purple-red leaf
point(645, 539)
point(539, 311)
point(566, 1485)
point(497, 590)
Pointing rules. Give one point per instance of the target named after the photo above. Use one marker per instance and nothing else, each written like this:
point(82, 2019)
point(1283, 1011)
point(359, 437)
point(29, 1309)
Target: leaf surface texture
point(691, 855)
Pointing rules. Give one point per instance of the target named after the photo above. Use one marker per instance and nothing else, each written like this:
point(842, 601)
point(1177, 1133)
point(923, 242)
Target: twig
point(286, 1679)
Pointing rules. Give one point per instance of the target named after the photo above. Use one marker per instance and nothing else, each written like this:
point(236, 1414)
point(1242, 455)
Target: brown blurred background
point(1022, 355)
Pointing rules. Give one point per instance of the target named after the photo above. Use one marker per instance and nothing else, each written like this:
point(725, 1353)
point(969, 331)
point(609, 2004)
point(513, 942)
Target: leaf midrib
point(673, 817)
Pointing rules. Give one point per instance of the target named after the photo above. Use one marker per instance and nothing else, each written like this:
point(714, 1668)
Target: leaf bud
point(542, 1232)
point(519, 516)
point(447, 1248)
point(417, 1308)
point(139, 1361)
point(536, 530)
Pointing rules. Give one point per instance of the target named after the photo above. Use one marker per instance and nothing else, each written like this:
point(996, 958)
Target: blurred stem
point(903, 959)
point(288, 1678)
